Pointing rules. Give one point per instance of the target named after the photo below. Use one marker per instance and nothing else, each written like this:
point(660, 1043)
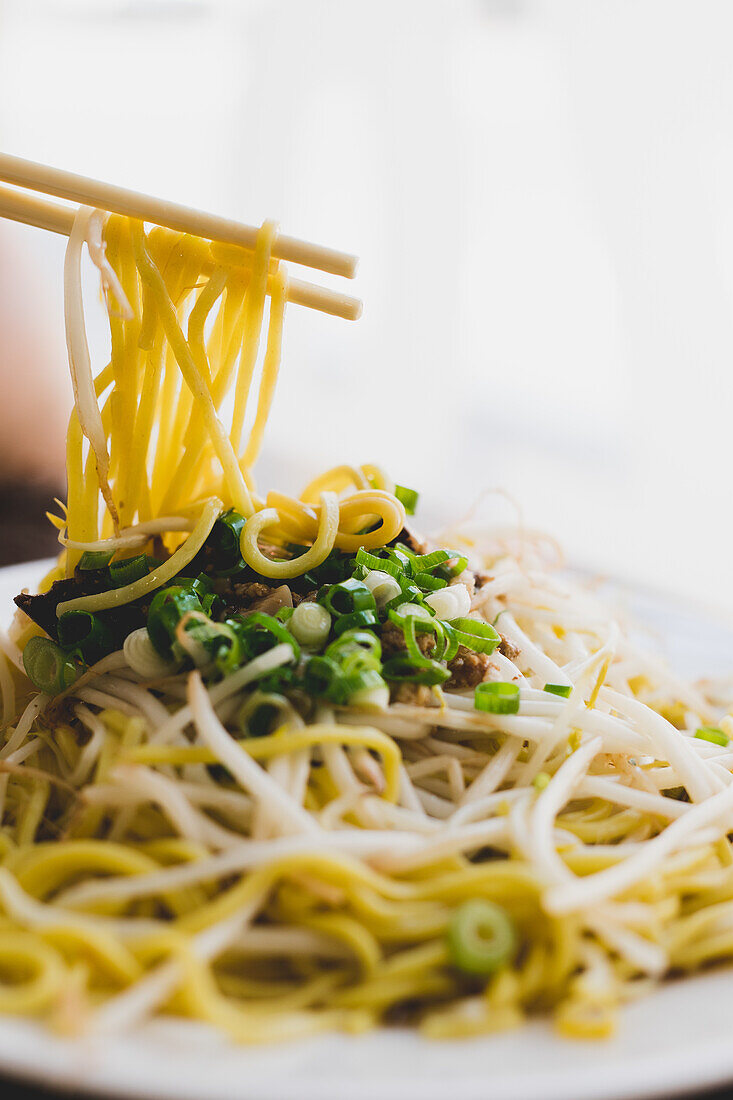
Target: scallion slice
point(563, 690)
point(453, 567)
point(347, 597)
point(261, 633)
point(94, 559)
point(344, 687)
point(402, 556)
point(364, 642)
point(402, 669)
point(48, 666)
point(428, 583)
point(319, 675)
point(451, 641)
point(712, 734)
point(497, 698)
point(410, 594)
point(86, 632)
point(262, 713)
point(371, 561)
point(481, 938)
point(166, 611)
point(476, 635)
point(355, 621)
point(423, 563)
point(128, 570)
point(225, 642)
point(407, 497)
point(223, 543)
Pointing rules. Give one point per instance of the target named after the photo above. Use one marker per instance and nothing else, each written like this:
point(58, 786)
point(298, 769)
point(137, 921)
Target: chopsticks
point(32, 210)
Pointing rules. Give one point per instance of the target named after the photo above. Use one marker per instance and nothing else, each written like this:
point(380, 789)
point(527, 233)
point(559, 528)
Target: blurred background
point(541, 192)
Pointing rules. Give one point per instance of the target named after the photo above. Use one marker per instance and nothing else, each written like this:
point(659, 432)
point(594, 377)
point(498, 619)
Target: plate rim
point(124, 1067)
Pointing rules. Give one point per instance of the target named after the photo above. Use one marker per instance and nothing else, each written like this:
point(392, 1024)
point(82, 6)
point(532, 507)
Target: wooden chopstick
point(30, 210)
point(107, 196)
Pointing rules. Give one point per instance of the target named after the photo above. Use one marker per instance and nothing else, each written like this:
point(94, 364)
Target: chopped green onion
point(261, 633)
point(414, 620)
point(94, 559)
point(344, 687)
point(497, 698)
point(362, 641)
point(407, 497)
point(404, 611)
point(410, 594)
point(310, 624)
point(280, 680)
point(48, 666)
point(481, 938)
point(384, 565)
point(166, 611)
point(448, 571)
point(402, 556)
point(418, 658)
point(319, 675)
point(285, 614)
point(423, 563)
point(86, 632)
point(206, 642)
point(226, 642)
point(224, 543)
point(451, 641)
point(347, 597)
point(383, 586)
point(128, 570)
point(402, 669)
point(476, 635)
point(355, 621)
point(713, 734)
point(563, 690)
point(428, 583)
point(261, 714)
point(200, 586)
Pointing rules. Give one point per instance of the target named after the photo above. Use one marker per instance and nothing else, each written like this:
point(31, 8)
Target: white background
point(541, 192)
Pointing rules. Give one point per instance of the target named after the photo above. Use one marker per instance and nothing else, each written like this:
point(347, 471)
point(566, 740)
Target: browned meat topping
point(417, 695)
point(239, 596)
point(246, 593)
point(467, 668)
point(508, 648)
point(393, 641)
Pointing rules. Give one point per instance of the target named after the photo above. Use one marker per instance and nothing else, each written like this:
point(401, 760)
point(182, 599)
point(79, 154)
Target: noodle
point(281, 773)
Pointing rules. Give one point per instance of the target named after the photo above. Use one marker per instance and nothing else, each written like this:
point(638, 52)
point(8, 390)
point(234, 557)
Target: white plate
point(677, 1039)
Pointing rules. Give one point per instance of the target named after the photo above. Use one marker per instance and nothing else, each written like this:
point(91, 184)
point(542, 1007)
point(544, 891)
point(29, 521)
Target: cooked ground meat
point(417, 695)
point(481, 578)
point(239, 595)
point(246, 593)
point(467, 668)
point(393, 641)
point(243, 595)
point(508, 648)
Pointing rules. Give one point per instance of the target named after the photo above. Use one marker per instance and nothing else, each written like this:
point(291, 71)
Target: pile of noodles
point(153, 861)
